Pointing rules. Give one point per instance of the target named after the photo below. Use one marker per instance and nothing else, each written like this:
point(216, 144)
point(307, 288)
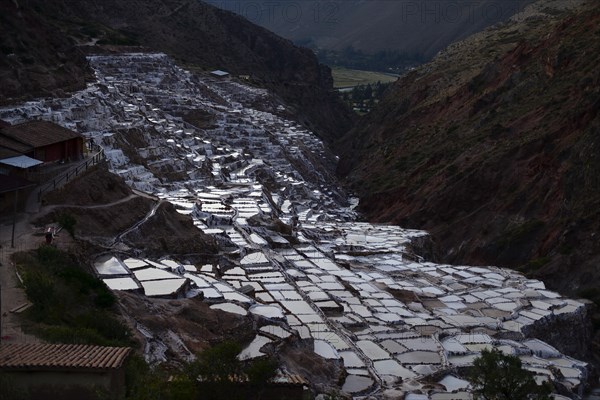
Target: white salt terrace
point(109, 265)
point(348, 286)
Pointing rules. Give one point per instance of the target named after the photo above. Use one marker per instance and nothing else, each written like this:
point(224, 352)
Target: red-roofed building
point(64, 371)
point(42, 140)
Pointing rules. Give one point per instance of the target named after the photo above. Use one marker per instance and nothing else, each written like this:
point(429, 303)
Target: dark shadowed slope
point(36, 59)
point(494, 147)
point(412, 26)
point(191, 31)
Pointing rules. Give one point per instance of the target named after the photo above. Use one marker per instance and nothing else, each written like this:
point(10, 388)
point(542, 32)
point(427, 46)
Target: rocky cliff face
point(196, 34)
point(493, 147)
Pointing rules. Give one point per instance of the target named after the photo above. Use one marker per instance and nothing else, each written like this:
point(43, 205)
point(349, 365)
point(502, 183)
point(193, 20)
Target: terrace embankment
point(105, 207)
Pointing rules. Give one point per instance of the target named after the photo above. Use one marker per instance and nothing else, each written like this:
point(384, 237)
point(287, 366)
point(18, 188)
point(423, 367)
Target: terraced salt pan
point(385, 268)
point(453, 384)
point(121, 284)
point(276, 330)
point(211, 294)
point(109, 265)
point(238, 297)
point(393, 368)
point(267, 311)
point(152, 274)
point(357, 384)
point(167, 287)
point(372, 350)
point(419, 357)
point(230, 308)
point(134, 263)
point(254, 258)
point(351, 359)
point(325, 350)
point(253, 349)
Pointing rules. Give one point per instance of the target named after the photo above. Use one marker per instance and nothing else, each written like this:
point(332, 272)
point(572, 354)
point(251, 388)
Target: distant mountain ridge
point(493, 148)
point(38, 41)
point(410, 26)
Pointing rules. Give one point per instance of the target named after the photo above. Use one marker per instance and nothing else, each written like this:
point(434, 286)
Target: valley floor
point(292, 254)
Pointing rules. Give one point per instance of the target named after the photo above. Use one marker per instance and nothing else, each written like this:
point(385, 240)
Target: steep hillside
point(105, 209)
point(408, 26)
point(35, 59)
point(493, 147)
point(193, 32)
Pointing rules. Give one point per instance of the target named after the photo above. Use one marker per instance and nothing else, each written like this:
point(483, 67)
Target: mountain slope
point(193, 32)
point(415, 27)
point(493, 147)
point(35, 59)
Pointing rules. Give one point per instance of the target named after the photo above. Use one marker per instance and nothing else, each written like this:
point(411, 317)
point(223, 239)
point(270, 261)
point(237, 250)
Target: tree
point(217, 364)
point(221, 372)
point(497, 376)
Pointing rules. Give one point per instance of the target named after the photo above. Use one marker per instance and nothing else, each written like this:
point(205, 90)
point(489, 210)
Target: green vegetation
point(118, 38)
point(222, 376)
point(497, 376)
point(364, 97)
point(535, 264)
point(69, 304)
point(10, 391)
point(145, 383)
point(219, 368)
point(68, 222)
point(386, 61)
point(520, 232)
point(344, 77)
point(592, 294)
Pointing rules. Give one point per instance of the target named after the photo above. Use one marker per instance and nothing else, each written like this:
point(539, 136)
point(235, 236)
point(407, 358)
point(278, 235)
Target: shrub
point(39, 287)
point(70, 305)
point(68, 222)
point(497, 376)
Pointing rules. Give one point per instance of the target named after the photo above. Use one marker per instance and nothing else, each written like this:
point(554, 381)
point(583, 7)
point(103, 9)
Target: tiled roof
point(39, 133)
point(8, 143)
point(61, 356)
point(290, 380)
point(7, 153)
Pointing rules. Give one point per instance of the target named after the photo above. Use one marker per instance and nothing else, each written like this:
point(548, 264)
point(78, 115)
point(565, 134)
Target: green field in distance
point(343, 77)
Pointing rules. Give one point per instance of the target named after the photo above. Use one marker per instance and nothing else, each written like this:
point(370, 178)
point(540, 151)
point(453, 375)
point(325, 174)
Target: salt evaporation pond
point(357, 384)
point(164, 288)
point(335, 283)
point(393, 368)
point(121, 284)
point(276, 330)
point(253, 349)
point(325, 350)
point(153, 274)
point(453, 384)
point(372, 350)
point(230, 308)
point(254, 258)
point(351, 360)
point(271, 312)
point(109, 265)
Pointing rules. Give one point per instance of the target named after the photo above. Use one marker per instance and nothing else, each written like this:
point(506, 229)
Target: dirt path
point(27, 237)
point(12, 294)
point(47, 209)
